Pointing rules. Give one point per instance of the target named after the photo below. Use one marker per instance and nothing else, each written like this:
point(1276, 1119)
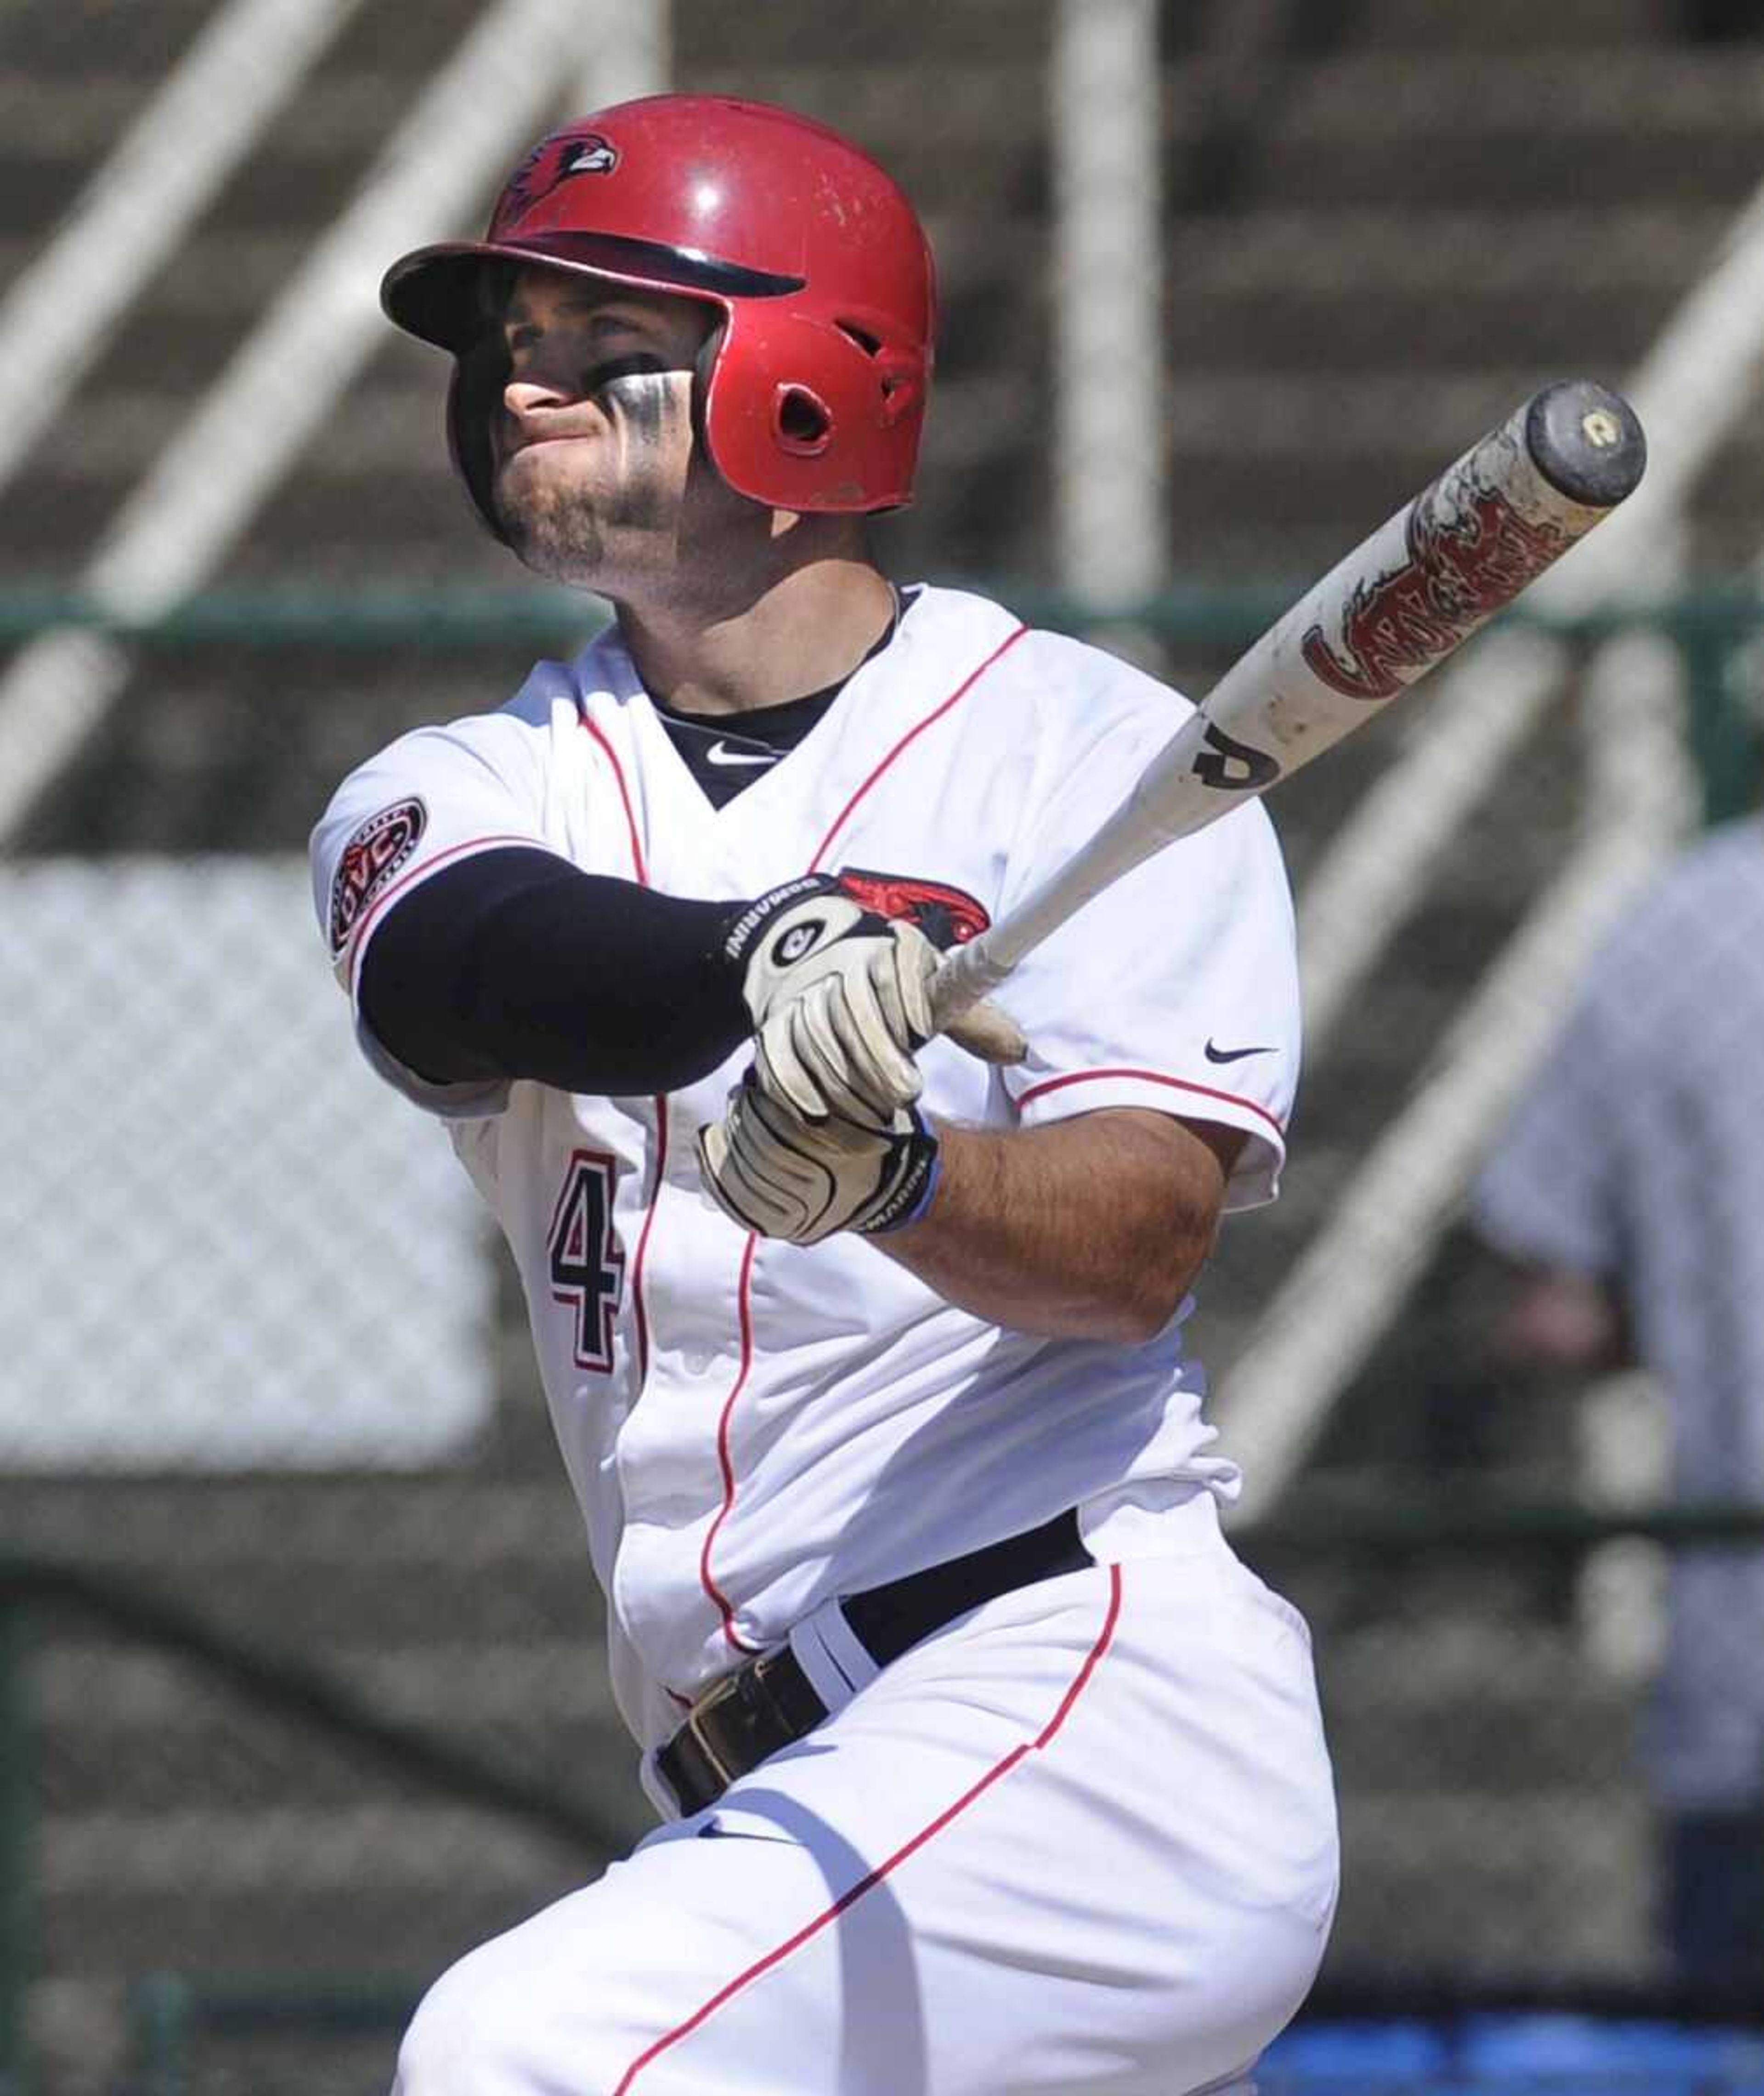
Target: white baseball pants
point(1080, 1843)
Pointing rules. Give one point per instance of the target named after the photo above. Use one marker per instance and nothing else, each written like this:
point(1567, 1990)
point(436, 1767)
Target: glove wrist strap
point(910, 1198)
point(739, 939)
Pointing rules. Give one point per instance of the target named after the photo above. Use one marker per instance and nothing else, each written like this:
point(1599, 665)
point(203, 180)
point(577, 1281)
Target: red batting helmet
point(818, 374)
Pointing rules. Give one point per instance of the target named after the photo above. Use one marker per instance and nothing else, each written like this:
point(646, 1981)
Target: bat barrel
point(1396, 607)
point(1587, 442)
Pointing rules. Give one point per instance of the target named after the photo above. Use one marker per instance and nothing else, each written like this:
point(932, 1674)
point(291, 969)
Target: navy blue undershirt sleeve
point(513, 963)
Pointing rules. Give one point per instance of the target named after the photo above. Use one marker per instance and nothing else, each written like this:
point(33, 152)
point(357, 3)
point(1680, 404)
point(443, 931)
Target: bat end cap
point(1587, 442)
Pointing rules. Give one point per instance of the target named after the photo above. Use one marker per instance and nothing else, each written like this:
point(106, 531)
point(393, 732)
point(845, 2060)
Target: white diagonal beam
point(1691, 388)
point(248, 60)
point(199, 494)
point(1343, 1292)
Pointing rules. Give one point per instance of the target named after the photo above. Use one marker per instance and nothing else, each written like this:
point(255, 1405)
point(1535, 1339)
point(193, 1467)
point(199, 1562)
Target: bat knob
point(1587, 442)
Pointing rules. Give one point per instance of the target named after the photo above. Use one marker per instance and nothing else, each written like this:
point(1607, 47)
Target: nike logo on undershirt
point(719, 753)
point(1232, 1054)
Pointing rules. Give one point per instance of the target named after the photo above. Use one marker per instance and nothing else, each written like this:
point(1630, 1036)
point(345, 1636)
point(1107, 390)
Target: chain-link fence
point(382, 1503)
point(300, 1693)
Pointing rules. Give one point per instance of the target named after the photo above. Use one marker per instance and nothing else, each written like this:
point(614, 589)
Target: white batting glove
point(783, 1177)
point(840, 997)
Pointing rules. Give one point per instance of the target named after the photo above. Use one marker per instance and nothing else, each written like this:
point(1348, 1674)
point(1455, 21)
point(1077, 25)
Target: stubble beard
point(555, 534)
point(570, 535)
point(590, 540)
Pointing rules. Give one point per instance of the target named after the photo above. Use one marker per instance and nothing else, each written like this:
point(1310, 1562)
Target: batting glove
point(841, 1001)
point(781, 1177)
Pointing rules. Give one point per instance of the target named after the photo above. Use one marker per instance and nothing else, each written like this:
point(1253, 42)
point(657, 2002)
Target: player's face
point(592, 443)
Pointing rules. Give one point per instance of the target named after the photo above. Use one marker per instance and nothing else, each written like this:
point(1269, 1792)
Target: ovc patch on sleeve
point(369, 859)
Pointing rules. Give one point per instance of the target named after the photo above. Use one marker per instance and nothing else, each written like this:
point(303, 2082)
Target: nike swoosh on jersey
point(1232, 1054)
point(719, 753)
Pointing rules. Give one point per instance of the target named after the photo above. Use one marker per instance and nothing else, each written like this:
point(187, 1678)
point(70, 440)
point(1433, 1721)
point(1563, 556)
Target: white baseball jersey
point(751, 1426)
point(1083, 1836)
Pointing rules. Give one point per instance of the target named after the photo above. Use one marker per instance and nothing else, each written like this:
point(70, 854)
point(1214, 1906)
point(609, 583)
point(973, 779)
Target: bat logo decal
point(1469, 554)
point(1232, 767)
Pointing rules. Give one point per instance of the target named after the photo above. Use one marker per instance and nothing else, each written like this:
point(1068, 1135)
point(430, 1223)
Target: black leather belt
point(749, 1714)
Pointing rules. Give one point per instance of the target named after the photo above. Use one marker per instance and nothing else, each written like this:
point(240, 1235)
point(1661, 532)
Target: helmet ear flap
point(812, 413)
point(704, 364)
point(480, 376)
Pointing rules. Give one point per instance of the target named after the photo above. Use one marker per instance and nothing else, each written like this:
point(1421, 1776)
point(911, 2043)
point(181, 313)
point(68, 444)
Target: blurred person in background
point(1628, 1188)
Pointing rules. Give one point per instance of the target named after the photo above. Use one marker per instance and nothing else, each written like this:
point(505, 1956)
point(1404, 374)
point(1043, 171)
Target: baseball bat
point(1395, 608)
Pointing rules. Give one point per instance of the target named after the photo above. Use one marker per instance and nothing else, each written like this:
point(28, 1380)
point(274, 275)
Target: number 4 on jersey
point(587, 1263)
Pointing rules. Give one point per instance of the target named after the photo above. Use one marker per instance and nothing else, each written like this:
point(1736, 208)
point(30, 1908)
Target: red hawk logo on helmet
point(552, 161)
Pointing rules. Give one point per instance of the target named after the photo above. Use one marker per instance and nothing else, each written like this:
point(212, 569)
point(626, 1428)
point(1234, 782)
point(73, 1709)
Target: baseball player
point(984, 1766)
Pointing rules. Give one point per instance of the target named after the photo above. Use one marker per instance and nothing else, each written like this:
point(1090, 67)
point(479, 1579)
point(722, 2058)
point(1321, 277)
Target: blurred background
point(300, 1686)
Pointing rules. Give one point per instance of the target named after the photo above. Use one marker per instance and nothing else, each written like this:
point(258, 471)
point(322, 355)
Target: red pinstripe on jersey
point(725, 1460)
point(1149, 1077)
point(829, 1916)
point(746, 1304)
point(624, 795)
point(639, 1309)
point(912, 733)
point(639, 867)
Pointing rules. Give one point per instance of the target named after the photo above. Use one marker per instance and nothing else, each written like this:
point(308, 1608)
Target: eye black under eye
point(621, 367)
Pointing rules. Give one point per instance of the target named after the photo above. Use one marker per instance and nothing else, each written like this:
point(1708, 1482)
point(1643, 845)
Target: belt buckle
point(718, 1693)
